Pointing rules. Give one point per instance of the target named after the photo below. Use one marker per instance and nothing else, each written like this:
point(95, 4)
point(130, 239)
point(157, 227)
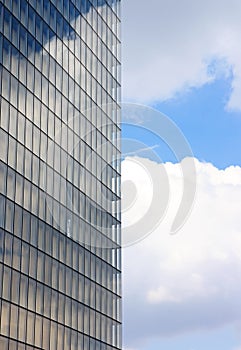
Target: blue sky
point(184, 60)
point(223, 338)
point(213, 132)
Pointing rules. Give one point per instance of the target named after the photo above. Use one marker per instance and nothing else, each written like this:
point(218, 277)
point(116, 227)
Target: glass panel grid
point(59, 132)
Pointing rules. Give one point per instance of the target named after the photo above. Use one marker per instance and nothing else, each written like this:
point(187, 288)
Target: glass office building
point(60, 258)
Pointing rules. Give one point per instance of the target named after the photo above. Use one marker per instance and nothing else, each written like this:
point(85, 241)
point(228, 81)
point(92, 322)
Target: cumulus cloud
point(170, 46)
point(188, 281)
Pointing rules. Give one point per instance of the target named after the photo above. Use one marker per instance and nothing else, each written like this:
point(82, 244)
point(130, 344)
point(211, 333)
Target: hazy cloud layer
point(170, 46)
point(189, 281)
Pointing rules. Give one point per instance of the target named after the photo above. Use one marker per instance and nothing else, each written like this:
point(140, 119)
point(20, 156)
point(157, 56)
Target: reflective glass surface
point(60, 256)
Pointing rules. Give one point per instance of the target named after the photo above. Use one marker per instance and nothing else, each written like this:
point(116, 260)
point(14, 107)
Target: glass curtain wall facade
point(60, 258)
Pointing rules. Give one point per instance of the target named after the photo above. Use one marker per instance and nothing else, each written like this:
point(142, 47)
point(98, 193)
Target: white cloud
point(189, 281)
point(170, 46)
